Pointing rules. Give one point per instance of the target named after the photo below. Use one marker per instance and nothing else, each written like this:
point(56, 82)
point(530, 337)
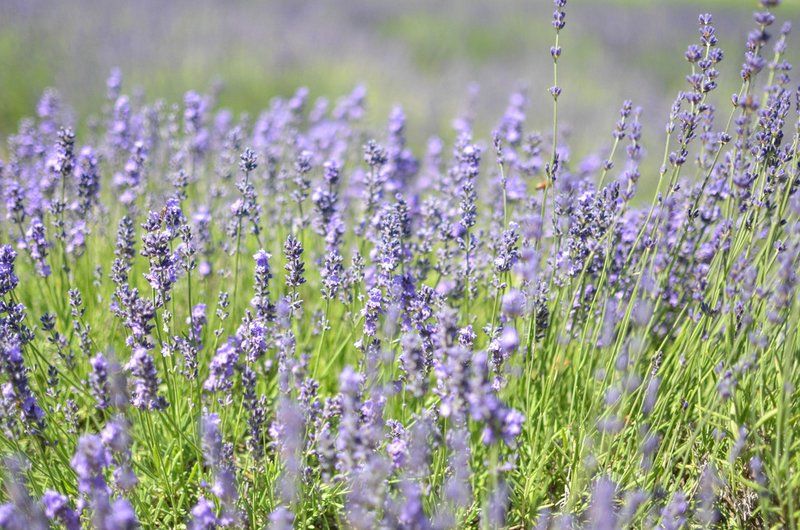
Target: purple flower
point(295, 269)
point(602, 512)
point(508, 341)
point(122, 516)
point(8, 280)
point(64, 162)
point(372, 311)
point(468, 162)
point(248, 161)
point(197, 320)
point(673, 516)
point(247, 205)
point(56, 508)
point(374, 154)
point(222, 366)
point(17, 388)
point(137, 314)
point(21, 512)
point(332, 274)
point(507, 253)
point(88, 175)
point(513, 303)
point(261, 300)
point(37, 245)
point(499, 421)
point(281, 519)
point(90, 460)
point(288, 431)
point(204, 516)
point(145, 381)
point(98, 381)
point(117, 438)
point(124, 251)
point(161, 228)
point(194, 118)
point(214, 453)
point(558, 15)
point(114, 84)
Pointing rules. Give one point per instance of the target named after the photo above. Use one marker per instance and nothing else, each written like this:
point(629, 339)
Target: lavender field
point(254, 309)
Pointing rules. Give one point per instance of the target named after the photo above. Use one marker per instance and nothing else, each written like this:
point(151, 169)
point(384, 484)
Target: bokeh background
point(425, 55)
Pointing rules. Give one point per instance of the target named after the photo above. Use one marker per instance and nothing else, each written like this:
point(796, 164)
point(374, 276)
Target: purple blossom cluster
point(291, 320)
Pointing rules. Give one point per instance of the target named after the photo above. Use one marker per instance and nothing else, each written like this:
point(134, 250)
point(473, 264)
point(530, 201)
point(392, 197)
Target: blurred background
point(421, 54)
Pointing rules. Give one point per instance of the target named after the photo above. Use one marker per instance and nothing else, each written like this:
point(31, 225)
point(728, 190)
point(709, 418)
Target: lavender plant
point(293, 321)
